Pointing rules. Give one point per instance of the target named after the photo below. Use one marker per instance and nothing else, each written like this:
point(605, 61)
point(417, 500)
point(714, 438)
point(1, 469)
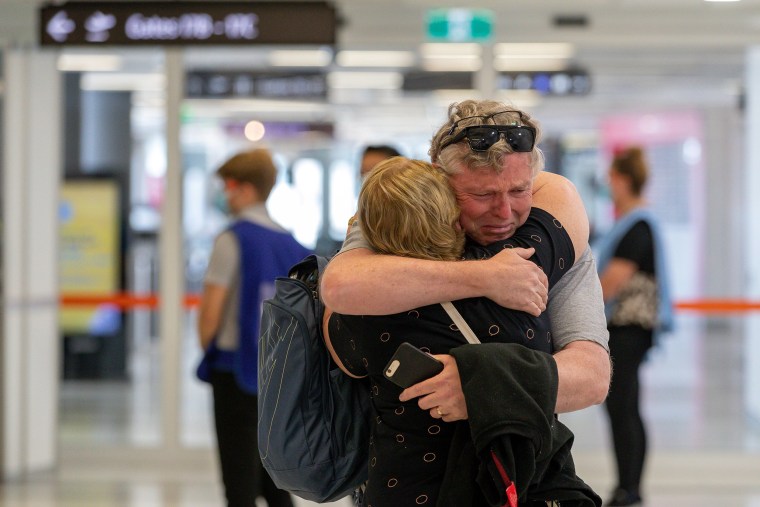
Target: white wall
point(30, 346)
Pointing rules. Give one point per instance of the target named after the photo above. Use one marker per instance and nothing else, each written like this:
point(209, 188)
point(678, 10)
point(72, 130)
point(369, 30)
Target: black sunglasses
point(521, 138)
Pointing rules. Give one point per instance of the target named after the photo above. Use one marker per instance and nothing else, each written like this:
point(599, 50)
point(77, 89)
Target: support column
point(485, 77)
point(752, 240)
point(171, 255)
point(31, 171)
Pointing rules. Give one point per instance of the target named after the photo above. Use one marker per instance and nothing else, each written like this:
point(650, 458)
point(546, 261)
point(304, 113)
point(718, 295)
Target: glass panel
point(343, 182)
point(109, 222)
point(297, 204)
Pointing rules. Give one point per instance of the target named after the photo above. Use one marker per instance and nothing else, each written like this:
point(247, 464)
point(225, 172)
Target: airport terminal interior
point(142, 126)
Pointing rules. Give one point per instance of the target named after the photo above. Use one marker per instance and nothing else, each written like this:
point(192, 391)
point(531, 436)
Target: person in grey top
point(489, 151)
point(246, 259)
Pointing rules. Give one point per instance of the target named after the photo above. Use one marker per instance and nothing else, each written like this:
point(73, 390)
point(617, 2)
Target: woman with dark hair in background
point(633, 274)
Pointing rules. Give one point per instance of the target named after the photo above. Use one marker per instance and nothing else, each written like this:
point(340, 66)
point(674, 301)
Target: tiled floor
point(690, 479)
point(705, 443)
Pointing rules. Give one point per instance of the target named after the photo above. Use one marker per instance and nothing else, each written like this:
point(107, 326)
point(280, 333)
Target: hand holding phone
point(410, 365)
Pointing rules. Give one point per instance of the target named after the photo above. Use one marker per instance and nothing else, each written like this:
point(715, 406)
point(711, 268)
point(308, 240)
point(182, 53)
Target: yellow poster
point(89, 236)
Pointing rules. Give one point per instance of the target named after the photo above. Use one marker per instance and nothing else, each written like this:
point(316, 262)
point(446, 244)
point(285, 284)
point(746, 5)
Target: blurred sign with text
point(564, 82)
point(186, 23)
point(245, 84)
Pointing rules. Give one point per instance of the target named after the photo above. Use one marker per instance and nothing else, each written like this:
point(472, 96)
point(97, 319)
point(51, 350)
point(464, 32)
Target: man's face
point(235, 192)
point(370, 160)
point(494, 204)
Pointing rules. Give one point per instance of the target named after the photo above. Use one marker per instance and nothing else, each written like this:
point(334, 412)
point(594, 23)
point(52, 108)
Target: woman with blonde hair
point(416, 198)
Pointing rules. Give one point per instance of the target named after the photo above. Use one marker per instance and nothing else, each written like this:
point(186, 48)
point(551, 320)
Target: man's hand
point(517, 283)
point(442, 394)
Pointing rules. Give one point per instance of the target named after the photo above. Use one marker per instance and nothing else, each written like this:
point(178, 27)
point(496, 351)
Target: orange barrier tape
point(123, 301)
point(127, 301)
point(718, 305)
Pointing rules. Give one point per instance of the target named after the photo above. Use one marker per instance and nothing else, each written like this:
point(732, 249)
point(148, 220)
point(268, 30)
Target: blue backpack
point(313, 419)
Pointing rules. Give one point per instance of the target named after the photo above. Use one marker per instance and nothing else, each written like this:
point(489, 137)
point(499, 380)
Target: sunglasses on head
point(521, 138)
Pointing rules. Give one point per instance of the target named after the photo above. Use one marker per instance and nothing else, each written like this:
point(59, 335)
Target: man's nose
point(501, 206)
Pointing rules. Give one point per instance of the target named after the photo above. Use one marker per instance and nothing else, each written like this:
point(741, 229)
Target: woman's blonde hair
point(407, 208)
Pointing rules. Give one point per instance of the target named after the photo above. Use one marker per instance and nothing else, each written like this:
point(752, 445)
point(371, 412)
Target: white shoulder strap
point(460, 322)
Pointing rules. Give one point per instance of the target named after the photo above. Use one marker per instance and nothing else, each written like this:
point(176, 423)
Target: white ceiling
point(632, 48)
point(639, 53)
point(656, 53)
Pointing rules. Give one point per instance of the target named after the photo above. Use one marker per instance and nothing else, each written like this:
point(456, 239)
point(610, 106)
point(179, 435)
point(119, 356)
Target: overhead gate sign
point(186, 23)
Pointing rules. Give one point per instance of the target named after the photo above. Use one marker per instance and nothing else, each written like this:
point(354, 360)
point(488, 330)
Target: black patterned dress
point(408, 448)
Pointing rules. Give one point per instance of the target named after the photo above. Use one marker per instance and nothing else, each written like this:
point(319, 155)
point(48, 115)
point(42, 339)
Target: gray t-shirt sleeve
point(222, 270)
point(223, 264)
point(354, 239)
point(576, 306)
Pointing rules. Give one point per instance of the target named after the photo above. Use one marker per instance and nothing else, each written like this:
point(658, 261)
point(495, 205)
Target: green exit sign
point(459, 25)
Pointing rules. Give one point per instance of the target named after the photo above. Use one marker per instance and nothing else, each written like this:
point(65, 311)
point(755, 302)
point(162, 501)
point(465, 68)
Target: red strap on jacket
point(511, 490)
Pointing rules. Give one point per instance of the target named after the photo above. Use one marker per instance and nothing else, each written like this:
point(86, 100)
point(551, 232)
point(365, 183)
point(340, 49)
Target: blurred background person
point(373, 155)
point(246, 259)
point(632, 271)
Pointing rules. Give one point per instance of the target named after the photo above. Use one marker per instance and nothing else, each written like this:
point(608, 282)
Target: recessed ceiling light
point(300, 58)
point(375, 58)
point(435, 49)
point(92, 63)
point(534, 64)
point(439, 57)
point(122, 81)
point(534, 50)
point(463, 63)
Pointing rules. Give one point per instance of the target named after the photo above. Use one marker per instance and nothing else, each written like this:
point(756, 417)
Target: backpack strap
point(468, 333)
point(309, 270)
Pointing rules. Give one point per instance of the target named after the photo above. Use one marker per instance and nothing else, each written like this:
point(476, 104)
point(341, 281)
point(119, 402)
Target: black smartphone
point(410, 365)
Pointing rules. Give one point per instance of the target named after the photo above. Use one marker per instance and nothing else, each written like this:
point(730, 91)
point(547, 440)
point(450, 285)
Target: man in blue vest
point(246, 259)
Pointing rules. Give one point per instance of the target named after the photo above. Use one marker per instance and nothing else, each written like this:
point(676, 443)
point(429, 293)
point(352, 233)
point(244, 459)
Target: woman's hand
point(442, 394)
